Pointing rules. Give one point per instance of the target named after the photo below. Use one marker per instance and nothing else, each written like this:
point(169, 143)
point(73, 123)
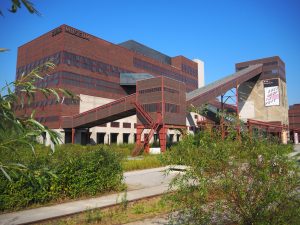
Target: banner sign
point(271, 92)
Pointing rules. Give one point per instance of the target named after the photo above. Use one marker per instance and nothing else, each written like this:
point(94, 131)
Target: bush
point(232, 182)
point(70, 172)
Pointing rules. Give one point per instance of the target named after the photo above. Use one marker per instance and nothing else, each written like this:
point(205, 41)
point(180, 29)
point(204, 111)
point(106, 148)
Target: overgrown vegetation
point(65, 174)
point(233, 182)
point(71, 172)
point(19, 132)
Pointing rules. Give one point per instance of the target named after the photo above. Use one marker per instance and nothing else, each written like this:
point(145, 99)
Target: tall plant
point(22, 131)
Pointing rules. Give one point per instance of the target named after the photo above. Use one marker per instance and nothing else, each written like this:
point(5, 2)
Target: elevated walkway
point(203, 95)
point(121, 108)
point(125, 106)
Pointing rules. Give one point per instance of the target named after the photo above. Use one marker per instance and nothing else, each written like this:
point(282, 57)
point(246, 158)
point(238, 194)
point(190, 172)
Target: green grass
point(146, 162)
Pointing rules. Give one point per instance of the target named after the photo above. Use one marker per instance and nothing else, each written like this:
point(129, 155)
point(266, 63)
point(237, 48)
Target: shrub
point(70, 172)
point(232, 182)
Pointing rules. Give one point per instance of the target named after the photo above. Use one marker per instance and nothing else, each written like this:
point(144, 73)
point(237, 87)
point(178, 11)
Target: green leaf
point(5, 173)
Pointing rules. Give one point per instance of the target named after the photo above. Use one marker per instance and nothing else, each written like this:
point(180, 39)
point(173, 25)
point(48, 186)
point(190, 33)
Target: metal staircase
point(154, 125)
point(144, 114)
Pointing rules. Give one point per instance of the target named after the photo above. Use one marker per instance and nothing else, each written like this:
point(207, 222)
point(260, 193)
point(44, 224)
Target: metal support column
point(249, 129)
point(237, 113)
point(139, 131)
point(163, 138)
point(222, 117)
point(88, 136)
point(73, 135)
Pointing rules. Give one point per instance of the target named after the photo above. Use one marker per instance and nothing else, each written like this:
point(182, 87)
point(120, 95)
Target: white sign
point(271, 96)
point(271, 92)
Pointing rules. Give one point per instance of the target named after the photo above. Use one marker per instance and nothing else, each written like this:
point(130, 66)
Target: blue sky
point(218, 32)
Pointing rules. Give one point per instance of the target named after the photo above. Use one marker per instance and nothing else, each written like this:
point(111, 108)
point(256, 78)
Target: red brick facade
point(294, 117)
point(89, 65)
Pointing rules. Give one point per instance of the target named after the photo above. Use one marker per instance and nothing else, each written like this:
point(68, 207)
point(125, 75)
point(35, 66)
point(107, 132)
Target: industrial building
point(90, 68)
point(132, 93)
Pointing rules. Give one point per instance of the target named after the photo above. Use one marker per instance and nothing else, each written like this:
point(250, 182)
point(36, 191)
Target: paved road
point(141, 184)
point(297, 147)
point(148, 178)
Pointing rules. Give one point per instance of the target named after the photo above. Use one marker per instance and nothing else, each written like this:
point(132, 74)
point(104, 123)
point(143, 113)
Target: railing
point(93, 114)
point(123, 99)
point(144, 114)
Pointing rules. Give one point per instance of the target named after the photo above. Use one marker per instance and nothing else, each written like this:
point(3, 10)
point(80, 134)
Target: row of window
point(294, 115)
point(56, 118)
point(152, 107)
point(150, 90)
point(103, 68)
point(99, 87)
point(170, 90)
point(113, 137)
point(274, 71)
point(265, 64)
point(117, 124)
point(54, 58)
point(47, 119)
point(172, 108)
point(162, 71)
point(46, 102)
point(48, 81)
point(82, 81)
point(157, 89)
point(189, 70)
point(295, 124)
point(74, 60)
point(92, 65)
point(156, 107)
point(271, 63)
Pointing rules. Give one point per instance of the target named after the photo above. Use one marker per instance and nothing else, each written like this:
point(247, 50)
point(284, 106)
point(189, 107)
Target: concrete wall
point(201, 81)
point(252, 103)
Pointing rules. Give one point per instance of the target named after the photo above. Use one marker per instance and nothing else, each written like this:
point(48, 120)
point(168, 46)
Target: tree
point(16, 4)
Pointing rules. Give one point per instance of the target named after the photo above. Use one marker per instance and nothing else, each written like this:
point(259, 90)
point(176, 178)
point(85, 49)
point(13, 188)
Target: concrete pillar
point(284, 136)
point(200, 63)
point(107, 138)
point(296, 138)
point(120, 138)
point(131, 138)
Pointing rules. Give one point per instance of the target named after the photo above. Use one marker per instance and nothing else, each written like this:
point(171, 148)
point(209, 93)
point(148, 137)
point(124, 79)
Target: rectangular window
point(114, 124)
point(126, 125)
point(172, 108)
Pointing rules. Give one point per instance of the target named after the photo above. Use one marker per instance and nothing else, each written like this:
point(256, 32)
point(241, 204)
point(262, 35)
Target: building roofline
point(255, 61)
